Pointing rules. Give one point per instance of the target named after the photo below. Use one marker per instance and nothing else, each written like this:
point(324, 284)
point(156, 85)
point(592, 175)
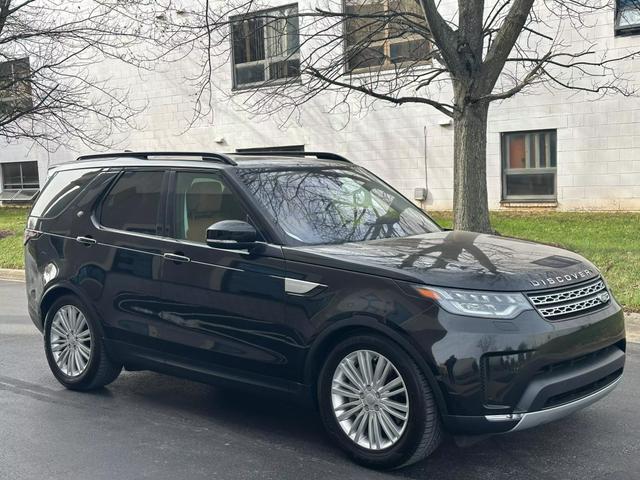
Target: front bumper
point(497, 377)
point(540, 417)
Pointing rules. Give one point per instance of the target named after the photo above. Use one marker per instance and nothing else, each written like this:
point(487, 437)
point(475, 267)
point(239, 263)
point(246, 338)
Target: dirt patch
point(5, 233)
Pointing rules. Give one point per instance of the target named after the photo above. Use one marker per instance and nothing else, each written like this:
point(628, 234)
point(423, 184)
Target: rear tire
point(409, 438)
point(75, 348)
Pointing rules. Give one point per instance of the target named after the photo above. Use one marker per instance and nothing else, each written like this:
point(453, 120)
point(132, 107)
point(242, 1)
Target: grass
point(12, 222)
point(610, 240)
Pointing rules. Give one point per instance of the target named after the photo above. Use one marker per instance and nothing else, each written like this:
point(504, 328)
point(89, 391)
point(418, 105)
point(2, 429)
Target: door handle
point(174, 257)
point(86, 240)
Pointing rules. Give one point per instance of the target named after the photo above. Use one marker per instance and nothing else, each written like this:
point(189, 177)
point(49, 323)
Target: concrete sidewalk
point(632, 319)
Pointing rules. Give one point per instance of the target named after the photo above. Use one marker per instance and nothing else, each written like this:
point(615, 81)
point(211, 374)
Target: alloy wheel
point(370, 400)
point(70, 341)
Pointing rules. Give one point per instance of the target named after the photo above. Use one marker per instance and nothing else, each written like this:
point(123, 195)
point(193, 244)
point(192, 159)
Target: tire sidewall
point(404, 449)
point(88, 374)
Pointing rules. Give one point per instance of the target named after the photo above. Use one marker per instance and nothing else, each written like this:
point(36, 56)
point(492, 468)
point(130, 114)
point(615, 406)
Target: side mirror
point(231, 234)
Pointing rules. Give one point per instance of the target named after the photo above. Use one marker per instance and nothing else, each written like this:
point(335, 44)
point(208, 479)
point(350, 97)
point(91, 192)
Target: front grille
point(571, 301)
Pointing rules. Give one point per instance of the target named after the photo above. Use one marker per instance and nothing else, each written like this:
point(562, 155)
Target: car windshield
point(315, 206)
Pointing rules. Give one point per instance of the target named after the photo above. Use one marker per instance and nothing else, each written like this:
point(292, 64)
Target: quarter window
point(380, 33)
point(529, 165)
point(15, 87)
point(266, 46)
point(133, 204)
point(627, 16)
point(203, 199)
point(61, 189)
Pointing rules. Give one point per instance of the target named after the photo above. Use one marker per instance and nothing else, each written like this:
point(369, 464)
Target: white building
point(556, 149)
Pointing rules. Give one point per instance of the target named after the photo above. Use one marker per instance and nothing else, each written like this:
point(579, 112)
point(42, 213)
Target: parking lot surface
point(146, 425)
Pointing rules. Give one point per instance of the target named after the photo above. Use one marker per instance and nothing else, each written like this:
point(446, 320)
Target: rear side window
point(133, 204)
point(61, 189)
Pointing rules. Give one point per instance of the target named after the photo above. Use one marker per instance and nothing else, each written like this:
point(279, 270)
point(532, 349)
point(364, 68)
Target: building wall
point(598, 139)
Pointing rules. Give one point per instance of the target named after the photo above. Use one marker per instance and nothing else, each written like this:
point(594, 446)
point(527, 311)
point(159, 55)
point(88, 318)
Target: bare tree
point(50, 91)
point(456, 56)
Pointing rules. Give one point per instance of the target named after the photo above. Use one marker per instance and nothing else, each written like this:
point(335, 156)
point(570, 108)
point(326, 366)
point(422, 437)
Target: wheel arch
point(54, 292)
point(357, 325)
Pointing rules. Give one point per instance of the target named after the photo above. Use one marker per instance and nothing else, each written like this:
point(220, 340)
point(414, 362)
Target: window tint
point(529, 165)
point(133, 204)
point(203, 199)
point(266, 46)
point(323, 206)
point(15, 87)
point(381, 34)
point(16, 176)
point(61, 189)
point(627, 16)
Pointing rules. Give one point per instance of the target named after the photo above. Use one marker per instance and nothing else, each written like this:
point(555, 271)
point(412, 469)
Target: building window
point(15, 87)
point(627, 16)
point(529, 165)
point(266, 47)
point(374, 39)
point(20, 181)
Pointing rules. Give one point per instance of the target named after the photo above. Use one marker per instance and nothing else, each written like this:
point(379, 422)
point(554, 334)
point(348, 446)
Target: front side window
point(329, 206)
point(15, 87)
point(529, 165)
point(266, 47)
point(133, 204)
point(627, 16)
point(201, 200)
point(382, 33)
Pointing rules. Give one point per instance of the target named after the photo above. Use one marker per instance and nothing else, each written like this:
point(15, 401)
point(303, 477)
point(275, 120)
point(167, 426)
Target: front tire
point(377, 404)
point(74, 347)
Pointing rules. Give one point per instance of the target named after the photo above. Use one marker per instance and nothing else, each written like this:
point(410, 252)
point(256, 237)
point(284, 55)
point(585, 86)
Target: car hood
point(456, 259)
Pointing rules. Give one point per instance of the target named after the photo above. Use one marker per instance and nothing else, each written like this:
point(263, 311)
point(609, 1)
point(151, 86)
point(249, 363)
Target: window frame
point(627, 30)
point(161, 220)
point(386, 42)
point(22, 185)
point(267, 61)
point(16, 98)
point(528, 171)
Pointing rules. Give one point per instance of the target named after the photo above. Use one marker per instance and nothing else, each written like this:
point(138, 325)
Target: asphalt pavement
point(147, 425)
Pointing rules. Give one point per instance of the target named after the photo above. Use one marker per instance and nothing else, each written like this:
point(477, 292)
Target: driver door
point(222, 308)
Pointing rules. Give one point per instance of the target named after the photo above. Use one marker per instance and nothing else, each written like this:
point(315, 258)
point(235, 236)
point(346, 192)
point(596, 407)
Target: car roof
point(206, 160)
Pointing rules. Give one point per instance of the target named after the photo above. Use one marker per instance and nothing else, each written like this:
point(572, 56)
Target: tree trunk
point(470, 205)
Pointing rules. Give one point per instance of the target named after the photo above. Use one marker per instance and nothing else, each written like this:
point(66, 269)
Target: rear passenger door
point(224, 308)
point(125, 255)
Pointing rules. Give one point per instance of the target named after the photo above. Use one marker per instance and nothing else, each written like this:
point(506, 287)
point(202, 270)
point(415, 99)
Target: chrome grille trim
point(568, 302)
point(566, 295)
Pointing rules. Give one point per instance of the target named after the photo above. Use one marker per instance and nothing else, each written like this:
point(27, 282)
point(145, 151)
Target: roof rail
point(301, 153)
point(206, 156)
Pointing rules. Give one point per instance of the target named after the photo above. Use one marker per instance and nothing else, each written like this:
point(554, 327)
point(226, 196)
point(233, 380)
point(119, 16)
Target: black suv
point(304, 273)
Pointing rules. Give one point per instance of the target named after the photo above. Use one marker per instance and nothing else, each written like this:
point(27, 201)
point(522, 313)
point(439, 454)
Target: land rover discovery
point(304, 273)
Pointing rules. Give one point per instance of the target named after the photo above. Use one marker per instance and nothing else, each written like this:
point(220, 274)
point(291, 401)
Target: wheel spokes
point(370, 400)
point(70, 340)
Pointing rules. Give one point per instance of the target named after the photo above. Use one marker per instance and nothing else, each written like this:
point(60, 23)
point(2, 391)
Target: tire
point(413, 439)
point(85, 368)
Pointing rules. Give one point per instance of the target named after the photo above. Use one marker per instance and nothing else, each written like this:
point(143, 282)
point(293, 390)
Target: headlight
point(477, 304)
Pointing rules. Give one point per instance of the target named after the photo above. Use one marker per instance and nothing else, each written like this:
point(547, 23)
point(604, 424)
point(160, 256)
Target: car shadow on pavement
point(277, 421)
